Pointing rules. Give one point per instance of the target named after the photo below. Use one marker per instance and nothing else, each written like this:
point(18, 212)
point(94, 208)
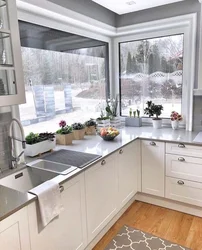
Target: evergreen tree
point(129, 64)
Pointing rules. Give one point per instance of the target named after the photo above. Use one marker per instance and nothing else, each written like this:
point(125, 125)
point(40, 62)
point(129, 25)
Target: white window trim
point(182, 24)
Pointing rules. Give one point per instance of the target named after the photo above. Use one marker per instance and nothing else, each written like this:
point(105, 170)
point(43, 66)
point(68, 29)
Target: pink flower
point(62, 123)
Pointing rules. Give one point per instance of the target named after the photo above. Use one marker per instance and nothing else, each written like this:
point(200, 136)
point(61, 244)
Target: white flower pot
point(175, 124)
point(157, 123)
point(39, 148)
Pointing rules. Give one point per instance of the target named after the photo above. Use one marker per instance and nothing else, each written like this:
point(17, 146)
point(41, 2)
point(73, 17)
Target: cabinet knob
point(61, 189)
point(152, 143)
point(180, 182)
point(103, 162)
point(181, 159)
point(121, 151)
point(181, 145)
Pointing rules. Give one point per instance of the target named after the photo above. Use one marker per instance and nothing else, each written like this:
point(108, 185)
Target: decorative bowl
point(108, 137)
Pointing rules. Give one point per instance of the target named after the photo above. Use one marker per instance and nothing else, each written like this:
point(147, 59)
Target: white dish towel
point(49, 200)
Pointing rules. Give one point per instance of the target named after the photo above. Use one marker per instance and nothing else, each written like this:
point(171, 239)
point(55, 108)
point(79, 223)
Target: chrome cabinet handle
point(103, 162)
point(181, 159)
point(181, 145)
point(152, 143)
point(61, 189)
point(121, 151)
point(180, 182)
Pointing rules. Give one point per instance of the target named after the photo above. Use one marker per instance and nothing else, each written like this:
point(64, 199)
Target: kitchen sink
point(27, 178)
point(51, 166)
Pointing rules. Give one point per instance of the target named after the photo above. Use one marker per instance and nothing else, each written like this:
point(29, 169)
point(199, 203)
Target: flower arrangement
point(90, 123)
point(112, 105)
point(78, 126)
point(64, 128)
point(175, 116)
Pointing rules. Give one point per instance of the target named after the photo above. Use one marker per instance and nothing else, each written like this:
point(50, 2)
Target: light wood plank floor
point(171, 225)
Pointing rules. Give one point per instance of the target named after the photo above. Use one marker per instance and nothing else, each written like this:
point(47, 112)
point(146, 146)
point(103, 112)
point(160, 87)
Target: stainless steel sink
point(26, 179)
point(51, 166)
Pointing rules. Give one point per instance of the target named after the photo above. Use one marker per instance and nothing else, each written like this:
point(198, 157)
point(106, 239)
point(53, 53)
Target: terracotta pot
point(64, 139)
point(79, 134)
point(90, 130)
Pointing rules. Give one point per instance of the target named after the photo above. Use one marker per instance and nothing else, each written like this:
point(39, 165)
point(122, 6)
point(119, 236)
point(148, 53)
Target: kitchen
point(68, 66)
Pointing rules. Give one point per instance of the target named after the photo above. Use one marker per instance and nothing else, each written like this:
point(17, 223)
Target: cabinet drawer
point(184, 191)
point(184, 149)
point(188, 168)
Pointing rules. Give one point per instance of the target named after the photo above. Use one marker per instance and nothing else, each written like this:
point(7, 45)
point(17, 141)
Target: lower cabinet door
point(101, 195)
point(68, 230)
point(153, 169)
point(185, 191)
point(128, 160)
point(14, 231)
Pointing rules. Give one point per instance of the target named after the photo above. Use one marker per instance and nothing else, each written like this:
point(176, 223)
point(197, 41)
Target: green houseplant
point(37, 144)
point(78, 130)
point(90, 127)
point(64, 135)
point(154, 110)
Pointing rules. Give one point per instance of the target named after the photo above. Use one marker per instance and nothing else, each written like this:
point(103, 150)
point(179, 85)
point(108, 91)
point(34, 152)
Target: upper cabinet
point(12, 89)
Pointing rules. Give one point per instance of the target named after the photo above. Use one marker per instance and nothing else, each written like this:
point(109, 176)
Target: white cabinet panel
point(14, 232)
point(153, 170)
point(188, 168)
point(184, 149)
point(184, 191)
point(101, 182)
point(68, 230)
point(128, 160)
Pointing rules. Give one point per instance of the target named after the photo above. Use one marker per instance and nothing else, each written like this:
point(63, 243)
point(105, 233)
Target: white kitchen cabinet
point(127, 161)
point(183, 190)
point(101, 182)
point(14, 231)
point(153, 169)
point(12, 90)
point(68, 230)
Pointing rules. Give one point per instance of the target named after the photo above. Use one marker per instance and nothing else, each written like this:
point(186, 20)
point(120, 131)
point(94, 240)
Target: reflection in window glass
point(152, 69)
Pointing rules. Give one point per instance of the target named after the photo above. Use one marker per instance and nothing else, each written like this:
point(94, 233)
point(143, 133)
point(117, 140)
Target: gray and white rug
point(133, 239)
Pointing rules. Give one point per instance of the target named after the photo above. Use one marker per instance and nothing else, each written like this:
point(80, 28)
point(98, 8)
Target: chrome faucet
point(15, 159)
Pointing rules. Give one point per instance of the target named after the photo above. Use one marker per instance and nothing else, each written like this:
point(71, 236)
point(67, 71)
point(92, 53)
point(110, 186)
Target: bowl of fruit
point(108, 134)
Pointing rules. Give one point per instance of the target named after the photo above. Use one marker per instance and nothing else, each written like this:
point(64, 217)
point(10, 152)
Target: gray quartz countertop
point(11, 200)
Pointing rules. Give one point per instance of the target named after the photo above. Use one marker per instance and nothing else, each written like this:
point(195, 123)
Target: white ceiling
point(125, 6)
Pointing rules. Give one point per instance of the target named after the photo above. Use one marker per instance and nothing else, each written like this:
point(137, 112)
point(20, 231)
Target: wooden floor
point(171, 225)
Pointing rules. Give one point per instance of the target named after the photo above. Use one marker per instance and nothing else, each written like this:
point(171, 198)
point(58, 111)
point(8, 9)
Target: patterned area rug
point(133, 239)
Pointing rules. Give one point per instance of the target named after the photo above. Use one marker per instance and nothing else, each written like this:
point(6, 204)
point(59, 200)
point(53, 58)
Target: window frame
point(171, 26)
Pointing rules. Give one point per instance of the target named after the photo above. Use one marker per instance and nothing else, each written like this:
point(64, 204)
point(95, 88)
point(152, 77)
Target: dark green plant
point(90, 123)
point(153, 109)
point(78, 126)
point(64, 130)
point(33, 138)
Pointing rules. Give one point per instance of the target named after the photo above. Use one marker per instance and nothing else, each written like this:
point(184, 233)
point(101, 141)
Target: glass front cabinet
point(12, 89)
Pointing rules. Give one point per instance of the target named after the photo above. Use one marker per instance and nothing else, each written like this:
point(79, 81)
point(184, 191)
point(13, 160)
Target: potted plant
point(37, 144)
point(175, 118)
point(153, 109)
point(103, 120)
point(111, 109)
point(64, 135)
point(78, 130)
point(134, 119)
point(90, 127)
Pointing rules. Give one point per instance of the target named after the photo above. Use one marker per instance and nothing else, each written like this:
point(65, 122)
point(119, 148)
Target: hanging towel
point(49, 201)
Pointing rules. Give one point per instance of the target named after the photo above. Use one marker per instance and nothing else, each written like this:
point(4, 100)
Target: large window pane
point(152, 69)
point(63, 79)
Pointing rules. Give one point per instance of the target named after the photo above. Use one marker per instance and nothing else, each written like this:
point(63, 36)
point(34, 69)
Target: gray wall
point(5, 119)
point(89, 8)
